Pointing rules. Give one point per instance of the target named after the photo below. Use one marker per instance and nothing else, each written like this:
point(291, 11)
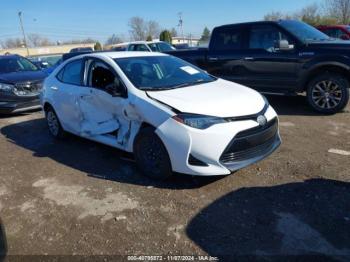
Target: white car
point(144, 46)
point(172, 115)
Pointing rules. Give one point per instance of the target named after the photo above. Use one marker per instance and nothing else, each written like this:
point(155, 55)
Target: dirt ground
point(79, 197)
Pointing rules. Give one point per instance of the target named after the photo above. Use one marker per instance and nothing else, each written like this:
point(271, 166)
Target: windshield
point(161, 72)
point(304, 31)
point(50, 60)
point(161, 47)
point(16, 64)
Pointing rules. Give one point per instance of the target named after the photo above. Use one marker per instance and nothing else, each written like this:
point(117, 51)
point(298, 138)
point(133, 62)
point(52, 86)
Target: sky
point(61, 20)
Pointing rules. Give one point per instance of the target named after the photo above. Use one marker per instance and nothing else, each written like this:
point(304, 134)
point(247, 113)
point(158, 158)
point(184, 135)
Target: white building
point(191, 41)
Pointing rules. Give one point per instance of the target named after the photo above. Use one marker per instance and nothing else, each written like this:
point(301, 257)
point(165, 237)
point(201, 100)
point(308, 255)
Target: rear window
point(227, 39)
point(71, 73)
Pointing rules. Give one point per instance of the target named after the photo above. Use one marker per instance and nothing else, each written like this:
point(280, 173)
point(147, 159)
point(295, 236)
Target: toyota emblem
point(261, 120)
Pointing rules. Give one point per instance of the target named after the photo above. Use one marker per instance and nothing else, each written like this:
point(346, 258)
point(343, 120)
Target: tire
point(151, 155)
point(328, 93)
point(54, 124)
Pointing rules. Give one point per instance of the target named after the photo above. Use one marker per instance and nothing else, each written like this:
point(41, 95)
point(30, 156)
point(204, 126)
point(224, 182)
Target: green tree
point(205, 35)
point(165, 36)
point(97, 46)
point(149, 38)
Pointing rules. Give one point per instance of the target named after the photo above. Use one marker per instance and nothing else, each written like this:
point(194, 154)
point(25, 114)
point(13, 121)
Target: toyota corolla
point(172, 115)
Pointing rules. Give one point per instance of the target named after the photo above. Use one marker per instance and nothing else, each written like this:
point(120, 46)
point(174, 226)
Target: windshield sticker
point(190, 70)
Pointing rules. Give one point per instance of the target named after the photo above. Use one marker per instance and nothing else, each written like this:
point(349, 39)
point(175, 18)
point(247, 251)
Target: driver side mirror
point(283, 45)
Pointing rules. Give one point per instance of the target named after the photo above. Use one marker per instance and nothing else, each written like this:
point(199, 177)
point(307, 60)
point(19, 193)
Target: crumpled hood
point(220, 98)
point(17, 77)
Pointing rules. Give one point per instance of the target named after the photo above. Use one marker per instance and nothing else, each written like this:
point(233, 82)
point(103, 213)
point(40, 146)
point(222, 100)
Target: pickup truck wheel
point(328, 93)
point(54, 124)
point(151, 155)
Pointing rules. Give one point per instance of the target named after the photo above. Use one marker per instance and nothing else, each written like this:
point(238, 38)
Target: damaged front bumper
point(219, 149)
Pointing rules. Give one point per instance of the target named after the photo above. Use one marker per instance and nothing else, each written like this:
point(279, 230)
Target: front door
point(268, 68)
point(102, 110)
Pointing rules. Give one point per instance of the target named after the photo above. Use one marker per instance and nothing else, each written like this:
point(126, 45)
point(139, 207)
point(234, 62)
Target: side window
point(331, 32)
point(101, 76)
point(71, 73)
point(164, 47)
point(131, 48)
point(59, 76)
point(265, 37)
point(227, 39)
point(154, 47)
point(339, 33)
point(141, 48)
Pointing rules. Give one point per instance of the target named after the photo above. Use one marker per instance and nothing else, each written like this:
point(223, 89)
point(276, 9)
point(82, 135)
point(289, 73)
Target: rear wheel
point(54, 124)
point(328, 93)
point(151, 155)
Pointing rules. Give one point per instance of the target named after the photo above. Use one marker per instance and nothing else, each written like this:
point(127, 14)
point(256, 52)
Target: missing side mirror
point(116, 89)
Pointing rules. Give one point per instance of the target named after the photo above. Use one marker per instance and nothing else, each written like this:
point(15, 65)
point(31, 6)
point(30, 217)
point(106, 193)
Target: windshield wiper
point(202, 81)
point(197, 82)
point(155, 88)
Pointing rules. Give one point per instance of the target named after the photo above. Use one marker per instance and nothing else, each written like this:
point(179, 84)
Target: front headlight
point(6, 87)
point(198, 121)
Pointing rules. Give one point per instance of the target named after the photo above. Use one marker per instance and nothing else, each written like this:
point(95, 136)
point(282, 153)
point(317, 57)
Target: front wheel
point(151, 155)
point(328, 93)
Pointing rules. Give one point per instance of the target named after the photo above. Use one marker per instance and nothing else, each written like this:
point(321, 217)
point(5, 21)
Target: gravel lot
point(79, 197)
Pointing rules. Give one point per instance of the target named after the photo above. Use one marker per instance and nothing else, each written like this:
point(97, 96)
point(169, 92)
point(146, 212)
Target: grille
point(251, 143)
point(28, 88)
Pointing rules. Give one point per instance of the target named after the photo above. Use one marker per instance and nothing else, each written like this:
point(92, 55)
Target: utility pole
point(22, 28)
point(181, 26)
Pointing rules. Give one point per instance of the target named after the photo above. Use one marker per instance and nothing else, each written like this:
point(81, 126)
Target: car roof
point(7, 56)
point(254, 23)
point(140, 42)
point(123, 54)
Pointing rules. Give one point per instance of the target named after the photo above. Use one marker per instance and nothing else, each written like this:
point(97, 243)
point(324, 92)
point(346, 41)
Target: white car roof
point(124, 54)
point(139, 42)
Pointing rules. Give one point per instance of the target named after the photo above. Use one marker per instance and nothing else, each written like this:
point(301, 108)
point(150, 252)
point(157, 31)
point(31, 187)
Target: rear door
point(66, 94)
point(268, 68)
point(226, 52)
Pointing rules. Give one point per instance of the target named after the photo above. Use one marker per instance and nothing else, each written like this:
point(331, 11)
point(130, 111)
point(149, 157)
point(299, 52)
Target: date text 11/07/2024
point(172, 258)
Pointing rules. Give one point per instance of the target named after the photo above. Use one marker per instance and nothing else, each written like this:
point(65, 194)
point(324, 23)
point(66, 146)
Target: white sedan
point(172, 115)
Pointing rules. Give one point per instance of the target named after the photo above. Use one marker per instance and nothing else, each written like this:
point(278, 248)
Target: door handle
point(54, 88)
point(249, 58)
point(213, 59)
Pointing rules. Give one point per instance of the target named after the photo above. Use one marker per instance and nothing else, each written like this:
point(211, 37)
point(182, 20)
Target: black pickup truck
point(285, 57)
